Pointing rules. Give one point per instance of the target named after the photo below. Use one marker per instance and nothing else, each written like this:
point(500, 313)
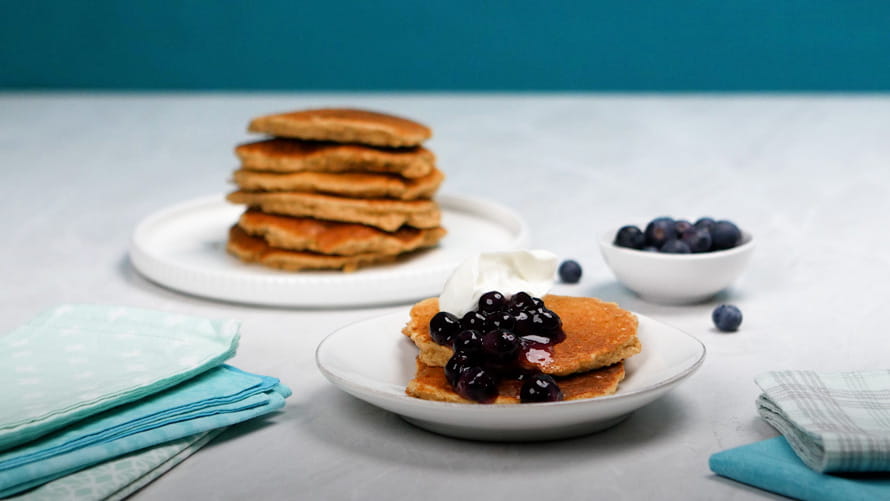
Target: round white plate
point(184, 247)
point(373, 361)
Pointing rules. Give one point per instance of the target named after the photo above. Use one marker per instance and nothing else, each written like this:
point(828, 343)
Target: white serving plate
point(373, 361)
point(183, 248)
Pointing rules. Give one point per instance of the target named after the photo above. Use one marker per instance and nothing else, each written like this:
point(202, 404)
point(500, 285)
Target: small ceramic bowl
point(676, 278)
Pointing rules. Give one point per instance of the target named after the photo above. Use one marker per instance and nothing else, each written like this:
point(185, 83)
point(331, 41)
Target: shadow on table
point(361, 429)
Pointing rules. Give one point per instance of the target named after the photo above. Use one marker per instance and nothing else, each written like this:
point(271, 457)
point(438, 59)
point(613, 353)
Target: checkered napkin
point(835, 422)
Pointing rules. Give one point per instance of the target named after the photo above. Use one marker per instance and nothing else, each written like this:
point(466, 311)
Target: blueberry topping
point(473, 320)
point(443, 327)
point(675, 247)
point(725, 235)
point(570, 271)
point(500, 345)
point(631, 237)
point(546, 321)
point(660, 230)
point(458, 363)
point(500, 320)
point(475, 383)
point(468, 341)
point(540, 388)
point(727, 317)
point(698, 240)
point(491, 302)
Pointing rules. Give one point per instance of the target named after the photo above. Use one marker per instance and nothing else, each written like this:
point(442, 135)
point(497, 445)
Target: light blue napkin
point(773, 466)
point(833, 421)
point(218, 398)
point(76, 360)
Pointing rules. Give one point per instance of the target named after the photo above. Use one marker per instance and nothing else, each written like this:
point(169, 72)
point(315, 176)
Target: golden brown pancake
point(430, 384)
point(597, 334)
point(292, 155)
point(389, 215)
point(256, 250)
point(344, 125)
point(329, 237)
point(347, 184)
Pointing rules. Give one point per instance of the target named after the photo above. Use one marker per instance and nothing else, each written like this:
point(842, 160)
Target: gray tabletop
point(808, 176)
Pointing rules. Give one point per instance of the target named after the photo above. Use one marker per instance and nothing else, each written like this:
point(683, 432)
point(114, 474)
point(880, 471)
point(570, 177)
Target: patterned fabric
point(77, 360)
point(216, 399)
point(118, 478)
point(837, 422)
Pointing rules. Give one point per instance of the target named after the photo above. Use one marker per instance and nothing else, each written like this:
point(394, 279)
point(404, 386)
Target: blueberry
point(523, 324)
point(650, 248)
point(500, 345)
point(675, 247)
point(681, 225)
point(631, 237)
point(540, 388)
point(727, 317)
point(477, 384)
point(472, 320)
point(491, 302)
point(458, 363)
point(468, 341)
point(570, 271)
point(725, 235)
point(521, 301)
point(660, 230)
point(444, 326)
point(704, 223)
point(500, 320)
point(698, 240)
point(546, 321)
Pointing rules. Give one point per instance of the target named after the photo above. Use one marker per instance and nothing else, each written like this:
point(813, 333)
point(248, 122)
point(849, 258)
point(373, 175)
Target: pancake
point(347, 184)
point(429, 384)
point(291, 155)
point(328, 237)
point(388, 215)
point(256, 250)
point(597, 334)
point(343, 125)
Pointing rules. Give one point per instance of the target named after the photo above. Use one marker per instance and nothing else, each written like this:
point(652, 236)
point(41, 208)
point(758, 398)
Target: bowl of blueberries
point(674, 261)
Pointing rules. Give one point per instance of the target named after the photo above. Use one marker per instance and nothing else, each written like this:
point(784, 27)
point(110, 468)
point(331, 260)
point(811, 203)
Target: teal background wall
point(671, 45)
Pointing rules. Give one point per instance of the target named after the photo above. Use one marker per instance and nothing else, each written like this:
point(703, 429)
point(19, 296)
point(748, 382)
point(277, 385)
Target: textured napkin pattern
point(838, 422)
point(77, 360)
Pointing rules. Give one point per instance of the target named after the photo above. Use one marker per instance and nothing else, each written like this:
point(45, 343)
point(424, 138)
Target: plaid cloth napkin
point(835, 422)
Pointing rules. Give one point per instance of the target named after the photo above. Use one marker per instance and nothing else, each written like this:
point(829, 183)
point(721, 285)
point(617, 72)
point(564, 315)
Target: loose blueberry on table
point(727, 317)
point(490, 344)
point(570, 271)
point(670, 236)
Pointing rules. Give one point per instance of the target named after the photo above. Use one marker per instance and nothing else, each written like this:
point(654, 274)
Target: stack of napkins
point(99, 400)
point(836, 437)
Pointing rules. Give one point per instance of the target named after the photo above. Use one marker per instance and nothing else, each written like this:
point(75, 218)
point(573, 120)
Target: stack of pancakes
point(588, 363)
point(335, 189)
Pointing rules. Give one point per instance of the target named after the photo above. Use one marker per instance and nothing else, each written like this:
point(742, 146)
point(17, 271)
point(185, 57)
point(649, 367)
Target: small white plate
point(184, 247)
point(373, 361)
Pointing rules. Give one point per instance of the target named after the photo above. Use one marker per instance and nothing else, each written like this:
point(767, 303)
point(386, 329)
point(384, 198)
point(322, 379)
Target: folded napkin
point(833, 421)
point(218, 398)
point(773, 466)
point(77, 360)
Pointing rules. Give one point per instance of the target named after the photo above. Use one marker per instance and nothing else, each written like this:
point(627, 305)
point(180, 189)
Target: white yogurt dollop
point(532, 271)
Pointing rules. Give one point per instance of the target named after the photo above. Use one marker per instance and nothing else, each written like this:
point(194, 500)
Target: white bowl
point(676, 278)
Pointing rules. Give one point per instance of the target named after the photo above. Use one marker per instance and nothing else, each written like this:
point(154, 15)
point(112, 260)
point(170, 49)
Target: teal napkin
point(833, 421)
point(773, 466)
point(76, 360)
point(218, 398)
point(119, 478)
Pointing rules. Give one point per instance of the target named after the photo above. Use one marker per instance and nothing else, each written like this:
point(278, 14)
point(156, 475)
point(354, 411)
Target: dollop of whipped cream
point(532, 271)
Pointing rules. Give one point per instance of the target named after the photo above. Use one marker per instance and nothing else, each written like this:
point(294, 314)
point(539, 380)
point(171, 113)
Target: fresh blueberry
point(660, 230)
point(444, 326)
point(681, 225)
point(704, 223)
point(477, 384)
point(675, 247)
point(698, 240)
point(570, 271)
point(725, 235)
point(491, 302)
point(631, 237)
point(468, 341)
point(650, 248)
point(540, 388)
point(727, 317)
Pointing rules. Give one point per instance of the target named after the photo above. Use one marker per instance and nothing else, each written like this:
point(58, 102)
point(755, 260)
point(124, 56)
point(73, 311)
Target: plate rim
point(431, 405)
point(153, 265)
